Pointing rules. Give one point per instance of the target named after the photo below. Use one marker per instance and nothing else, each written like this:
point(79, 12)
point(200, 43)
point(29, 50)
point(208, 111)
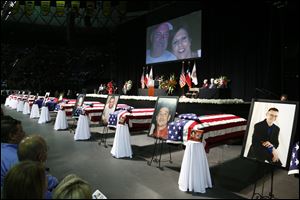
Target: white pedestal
point(20, 106)
point(35, 111)
point(82, 131)
point(122, 146)
point(45, 115)
point(194, 174)
point(61, 120)
point(26, 109)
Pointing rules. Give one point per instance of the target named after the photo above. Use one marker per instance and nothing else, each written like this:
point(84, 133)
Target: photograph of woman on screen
point(182, 44)
point(159, 38)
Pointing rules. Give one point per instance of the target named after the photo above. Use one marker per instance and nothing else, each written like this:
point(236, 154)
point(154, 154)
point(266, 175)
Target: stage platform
point(185, 105)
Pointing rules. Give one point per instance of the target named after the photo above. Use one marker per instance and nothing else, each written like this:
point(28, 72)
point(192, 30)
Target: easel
point(103, 134)
point(261, 195)
point(161, 142)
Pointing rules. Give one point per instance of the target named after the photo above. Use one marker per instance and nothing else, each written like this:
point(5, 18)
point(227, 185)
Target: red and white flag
point(150, 79)
point(146, 78)
point(143, 80)
point(182, 80)
point(188, 78)
point(194, 75)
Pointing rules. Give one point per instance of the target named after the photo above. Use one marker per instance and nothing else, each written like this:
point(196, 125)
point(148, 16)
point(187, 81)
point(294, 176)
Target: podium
point(153, 91)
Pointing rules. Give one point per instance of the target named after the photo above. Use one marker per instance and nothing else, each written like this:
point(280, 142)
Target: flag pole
point(182, 89)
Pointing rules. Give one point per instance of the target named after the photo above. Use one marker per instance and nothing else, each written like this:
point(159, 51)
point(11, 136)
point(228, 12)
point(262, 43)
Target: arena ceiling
point(98, 14)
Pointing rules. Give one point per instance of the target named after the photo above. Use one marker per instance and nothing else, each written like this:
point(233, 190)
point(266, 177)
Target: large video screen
point(175, 39)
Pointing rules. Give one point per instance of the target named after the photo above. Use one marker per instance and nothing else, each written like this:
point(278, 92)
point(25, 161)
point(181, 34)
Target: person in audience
point(108, 109)
point(162, 118)
point(265, 139)
point(159, 39)
point(11, 135)
point(73, 187)
point(284, 97)
point(34, 148)
point(25, 180)
point(182, 44)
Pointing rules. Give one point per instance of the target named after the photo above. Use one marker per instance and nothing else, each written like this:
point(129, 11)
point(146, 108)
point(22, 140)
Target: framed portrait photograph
point(164, 112)
point(61, 96)
point(47, 95)
point(77, 110)
point(110, 107)
point(270, 131)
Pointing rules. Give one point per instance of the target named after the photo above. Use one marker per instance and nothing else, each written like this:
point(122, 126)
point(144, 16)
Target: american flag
point(188, 116)
point(212, 125)
point(294, 164)
point(113, 118)
point(182, 80)
point(180, 128)
point(137, 118)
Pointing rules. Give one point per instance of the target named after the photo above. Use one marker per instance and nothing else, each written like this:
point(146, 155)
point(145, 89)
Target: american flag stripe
point(190, 128)
point(217, 125)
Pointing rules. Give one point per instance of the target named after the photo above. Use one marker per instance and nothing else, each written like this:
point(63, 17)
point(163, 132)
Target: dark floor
point(232, 176)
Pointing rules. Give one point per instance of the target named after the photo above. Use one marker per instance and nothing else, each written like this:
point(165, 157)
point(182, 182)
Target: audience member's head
point(11, 130)
point(34, 148)
point(25, 180)
point(72, 187)
point(284, 97)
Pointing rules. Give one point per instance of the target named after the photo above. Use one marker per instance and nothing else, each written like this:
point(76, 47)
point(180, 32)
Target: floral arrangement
point(222, 82)
point(127, 86)
point(181, 99)
point(170, 84)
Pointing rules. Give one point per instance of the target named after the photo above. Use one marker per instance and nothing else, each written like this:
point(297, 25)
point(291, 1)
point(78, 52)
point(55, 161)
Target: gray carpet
point(232, 176)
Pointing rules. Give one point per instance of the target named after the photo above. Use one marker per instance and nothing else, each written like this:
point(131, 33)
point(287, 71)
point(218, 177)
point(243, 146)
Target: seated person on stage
point(205, 84)
point(162, 119)
point(11, 135)
point(73, 187)
point(212, 83)
point(34, 148)
point(25, 180)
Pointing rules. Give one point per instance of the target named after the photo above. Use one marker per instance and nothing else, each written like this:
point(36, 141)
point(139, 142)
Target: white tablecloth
point(82, 131)
point(20, 106)
point(122, 146)
point(194, 173)
point(35, 111)
point(14, 103)
point(26, 109)
point(61, 120)
point(45, 115)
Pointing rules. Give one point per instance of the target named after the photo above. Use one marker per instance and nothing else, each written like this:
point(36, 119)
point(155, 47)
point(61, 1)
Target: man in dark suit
point(265, 139)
